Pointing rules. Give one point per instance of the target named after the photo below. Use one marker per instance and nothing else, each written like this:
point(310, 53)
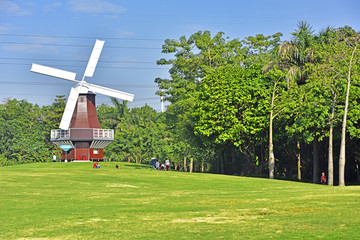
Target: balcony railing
point(60, 134)
point(82, 134)
point(103, 133)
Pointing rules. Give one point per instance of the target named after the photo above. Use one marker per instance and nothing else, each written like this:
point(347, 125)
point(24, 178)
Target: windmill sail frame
point(83, 86)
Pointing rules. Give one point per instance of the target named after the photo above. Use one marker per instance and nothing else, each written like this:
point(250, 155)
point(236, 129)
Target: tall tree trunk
point(233, 159)
point(136, 158)
point(343, 129)
point(202, 166)
point(271, 151)
point(331, 158)
point(330, 153)
point(315, 160)
point(298, 160)
point(221, 163)
point(191, 165)
point(185, 170)
point(248, 165)
point(357, 169)
point(271, 146)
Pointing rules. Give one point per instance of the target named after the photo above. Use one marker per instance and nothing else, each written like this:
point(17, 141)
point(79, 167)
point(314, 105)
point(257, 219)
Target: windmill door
point(82, 151)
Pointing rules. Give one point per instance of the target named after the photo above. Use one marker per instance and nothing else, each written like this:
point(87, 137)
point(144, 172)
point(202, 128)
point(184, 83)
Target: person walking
point(167, 164)
point(323, 179)
point(157, 164)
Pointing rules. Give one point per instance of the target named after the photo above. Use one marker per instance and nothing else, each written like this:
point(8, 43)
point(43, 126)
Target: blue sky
point(61, 34)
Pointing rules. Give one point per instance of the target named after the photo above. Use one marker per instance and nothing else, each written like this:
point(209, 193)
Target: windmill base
point(83, 154)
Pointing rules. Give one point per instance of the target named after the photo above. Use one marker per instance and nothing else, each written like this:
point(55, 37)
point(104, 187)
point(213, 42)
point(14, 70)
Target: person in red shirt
point(323, 178)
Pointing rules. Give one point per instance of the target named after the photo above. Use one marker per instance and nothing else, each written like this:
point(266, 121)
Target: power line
point(144, 99)
point(50, 95)
point(27, 64)
point(57, 36)
point(75, 45)
point(63, 60)
point(71, 84)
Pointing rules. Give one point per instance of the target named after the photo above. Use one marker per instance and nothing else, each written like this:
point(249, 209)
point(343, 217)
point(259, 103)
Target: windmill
point(80, 134)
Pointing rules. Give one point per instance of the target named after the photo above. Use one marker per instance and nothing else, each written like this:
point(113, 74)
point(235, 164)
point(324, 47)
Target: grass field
point(74, 201)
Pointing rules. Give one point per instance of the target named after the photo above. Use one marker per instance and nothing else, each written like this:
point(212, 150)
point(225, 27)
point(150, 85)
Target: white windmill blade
point(54, 72)
point(94, 57)
point(109, 92)
point(69, 109)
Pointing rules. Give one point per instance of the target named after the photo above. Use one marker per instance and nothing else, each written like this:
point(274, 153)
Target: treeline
point(262, 106)
point(256, 107)
point(25, 131)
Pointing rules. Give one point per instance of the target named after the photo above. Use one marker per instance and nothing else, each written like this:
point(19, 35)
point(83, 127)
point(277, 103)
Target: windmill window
point(96, 151)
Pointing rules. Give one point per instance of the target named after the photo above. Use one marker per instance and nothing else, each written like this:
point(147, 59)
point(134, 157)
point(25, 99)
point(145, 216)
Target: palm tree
point(294, 55)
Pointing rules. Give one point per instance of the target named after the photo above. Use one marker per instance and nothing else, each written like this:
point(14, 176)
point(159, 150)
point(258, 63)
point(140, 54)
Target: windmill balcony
point(82, 134)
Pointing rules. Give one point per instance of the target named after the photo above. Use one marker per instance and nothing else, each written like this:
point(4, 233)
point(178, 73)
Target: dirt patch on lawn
point(215, 219)
point(114, 185)
point(92, 220)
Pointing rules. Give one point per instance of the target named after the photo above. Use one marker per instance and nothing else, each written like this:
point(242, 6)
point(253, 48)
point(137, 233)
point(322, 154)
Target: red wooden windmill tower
point(80, 134)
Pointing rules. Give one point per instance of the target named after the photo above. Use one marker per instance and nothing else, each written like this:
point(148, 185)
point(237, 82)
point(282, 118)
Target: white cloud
point(11, 8)
point(95, 7)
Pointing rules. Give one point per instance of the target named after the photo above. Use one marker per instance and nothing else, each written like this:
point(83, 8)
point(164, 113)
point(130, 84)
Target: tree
point(195, 57)
point(232, 107)
point(351, 47)
point(324, 91)
point(138, 133)
point(294, 55)
point(335, 69)
point(325, 88)
point(51, 115)
point(261, 49)
point(111, 117)
point(275, 76)
point(21, 133)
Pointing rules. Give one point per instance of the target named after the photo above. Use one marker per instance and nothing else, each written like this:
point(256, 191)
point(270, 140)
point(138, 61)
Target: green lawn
point(75, 201)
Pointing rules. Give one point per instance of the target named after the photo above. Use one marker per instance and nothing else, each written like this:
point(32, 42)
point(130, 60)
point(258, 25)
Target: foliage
point(139, 132)
point(22, 130)
point(232, 106)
